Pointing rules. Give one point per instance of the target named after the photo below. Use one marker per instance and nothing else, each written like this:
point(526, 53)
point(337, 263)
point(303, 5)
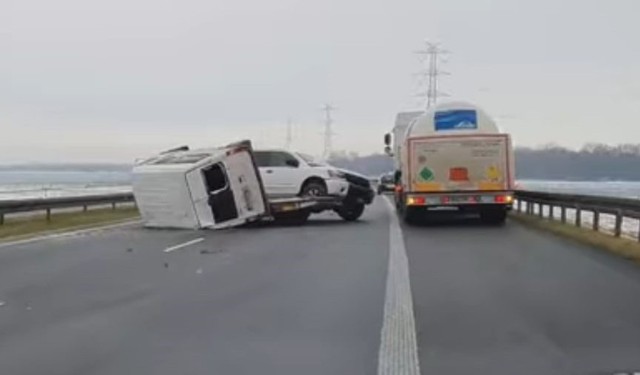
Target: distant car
point(286, 174)
point(385, 183)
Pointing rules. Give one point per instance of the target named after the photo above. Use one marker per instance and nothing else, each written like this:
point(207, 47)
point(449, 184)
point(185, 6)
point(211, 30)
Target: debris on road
point(2, 303)
point(206, 251)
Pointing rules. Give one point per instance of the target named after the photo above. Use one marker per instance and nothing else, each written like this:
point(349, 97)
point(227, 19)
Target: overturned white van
point(205, 188)
point(212, 188)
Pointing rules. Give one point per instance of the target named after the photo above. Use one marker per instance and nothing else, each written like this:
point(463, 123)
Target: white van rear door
point(200, 196)
point(245, 184)
point(226, 190)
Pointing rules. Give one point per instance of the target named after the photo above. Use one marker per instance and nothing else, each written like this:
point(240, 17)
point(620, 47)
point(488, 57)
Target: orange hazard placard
point(458, 174)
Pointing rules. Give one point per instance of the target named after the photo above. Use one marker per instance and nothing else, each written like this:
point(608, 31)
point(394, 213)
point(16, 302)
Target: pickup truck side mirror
point(292, 163)
point(387, 139)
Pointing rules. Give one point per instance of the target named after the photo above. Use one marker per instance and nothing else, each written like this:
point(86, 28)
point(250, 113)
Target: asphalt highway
point(313, 300)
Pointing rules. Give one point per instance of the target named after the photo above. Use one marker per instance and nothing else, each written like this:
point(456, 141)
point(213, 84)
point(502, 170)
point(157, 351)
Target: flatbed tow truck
point(214, 188)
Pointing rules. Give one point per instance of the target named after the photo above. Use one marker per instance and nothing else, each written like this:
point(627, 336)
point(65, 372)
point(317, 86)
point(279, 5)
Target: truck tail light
point(415, 201)
point(504, 199)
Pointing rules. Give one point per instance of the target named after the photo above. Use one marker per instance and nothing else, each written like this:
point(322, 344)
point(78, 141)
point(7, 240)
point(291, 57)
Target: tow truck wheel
point(351, 212)
point(313, 189)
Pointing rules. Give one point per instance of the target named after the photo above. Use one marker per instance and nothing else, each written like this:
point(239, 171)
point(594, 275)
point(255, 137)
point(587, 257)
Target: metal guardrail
point(618, 207)
point(49, 204)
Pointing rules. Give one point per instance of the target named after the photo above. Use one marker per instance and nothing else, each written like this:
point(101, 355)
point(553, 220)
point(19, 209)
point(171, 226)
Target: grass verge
point(29, 226)
point(626, 248)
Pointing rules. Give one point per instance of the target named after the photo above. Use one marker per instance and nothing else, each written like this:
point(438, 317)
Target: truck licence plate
point(458, 199)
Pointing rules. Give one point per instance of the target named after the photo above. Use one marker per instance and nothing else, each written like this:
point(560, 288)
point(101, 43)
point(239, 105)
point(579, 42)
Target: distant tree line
point(593, 161)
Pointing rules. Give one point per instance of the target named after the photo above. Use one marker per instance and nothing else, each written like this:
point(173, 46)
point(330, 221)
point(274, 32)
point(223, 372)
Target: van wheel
point(313, 188)
point(351, 212)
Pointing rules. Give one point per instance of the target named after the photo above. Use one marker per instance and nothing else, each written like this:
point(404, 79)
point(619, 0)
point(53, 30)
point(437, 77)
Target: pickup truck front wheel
point(351, 212)
point(313, 188)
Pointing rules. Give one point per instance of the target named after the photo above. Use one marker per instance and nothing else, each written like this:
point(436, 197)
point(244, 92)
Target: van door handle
point(269, 171)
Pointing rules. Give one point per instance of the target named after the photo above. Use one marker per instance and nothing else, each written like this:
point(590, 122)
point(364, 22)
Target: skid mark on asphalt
point(398, 348)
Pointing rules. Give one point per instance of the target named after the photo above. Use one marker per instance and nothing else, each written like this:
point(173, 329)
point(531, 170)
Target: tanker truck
point(452, 157)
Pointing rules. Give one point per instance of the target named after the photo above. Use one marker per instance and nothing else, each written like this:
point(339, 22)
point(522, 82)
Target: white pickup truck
point(288, 174)
point(222, 187)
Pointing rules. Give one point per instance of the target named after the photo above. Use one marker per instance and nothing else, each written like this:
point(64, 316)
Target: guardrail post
point(578, 217)
point(1, 218)
point(48, 214)
point(551, 211)
point(532, 208)
point(563, 214)
point(540, 209)
point(519, 205)
point(596, 220)
point(85, 208)
point(617, 231)
point(113, 205)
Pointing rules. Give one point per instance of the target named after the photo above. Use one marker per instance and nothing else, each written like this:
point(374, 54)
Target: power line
point(432, 55)
point(328, 132)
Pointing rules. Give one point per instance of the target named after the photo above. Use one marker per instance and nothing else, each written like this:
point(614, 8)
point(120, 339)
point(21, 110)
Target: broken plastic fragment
point(206, 251)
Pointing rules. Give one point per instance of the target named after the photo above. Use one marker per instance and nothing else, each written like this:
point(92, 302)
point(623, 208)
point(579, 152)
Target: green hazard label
point(426, 174)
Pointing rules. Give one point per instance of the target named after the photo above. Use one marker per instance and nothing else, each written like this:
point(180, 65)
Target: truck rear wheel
point(350, 212)
point(409, 215)
point(494, 216)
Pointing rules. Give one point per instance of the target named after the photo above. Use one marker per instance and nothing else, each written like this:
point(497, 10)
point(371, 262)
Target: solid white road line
point(185, 244)
point(398, 347)
point(70, 233)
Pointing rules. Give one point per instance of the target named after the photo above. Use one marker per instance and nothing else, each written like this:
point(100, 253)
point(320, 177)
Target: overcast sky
point(114, 80)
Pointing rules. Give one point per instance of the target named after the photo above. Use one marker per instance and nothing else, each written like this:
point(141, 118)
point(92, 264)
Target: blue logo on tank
point(456, 119)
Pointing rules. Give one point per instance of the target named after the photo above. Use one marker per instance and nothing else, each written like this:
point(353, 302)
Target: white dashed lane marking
point(184, 244)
